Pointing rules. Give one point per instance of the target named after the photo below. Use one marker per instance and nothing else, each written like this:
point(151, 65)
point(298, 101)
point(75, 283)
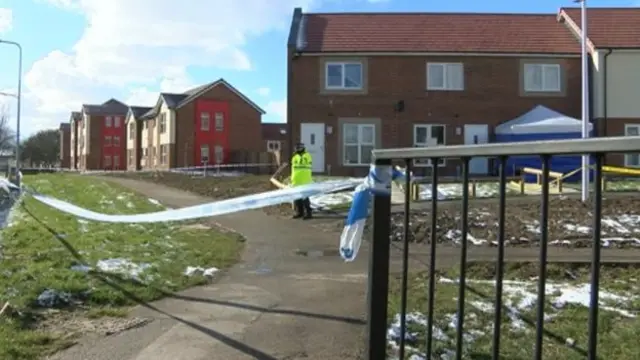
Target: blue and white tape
point(217, 208)
point(377, 183)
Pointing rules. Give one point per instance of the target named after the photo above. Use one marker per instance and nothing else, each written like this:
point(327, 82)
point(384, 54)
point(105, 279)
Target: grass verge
point(57, 266)
point(566, 317)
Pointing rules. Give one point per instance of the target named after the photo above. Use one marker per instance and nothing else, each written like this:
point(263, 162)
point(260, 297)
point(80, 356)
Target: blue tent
point(542, 123)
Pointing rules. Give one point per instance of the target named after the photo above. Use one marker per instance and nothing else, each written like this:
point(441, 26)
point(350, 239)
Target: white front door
point(312, 136)
point(477, 134)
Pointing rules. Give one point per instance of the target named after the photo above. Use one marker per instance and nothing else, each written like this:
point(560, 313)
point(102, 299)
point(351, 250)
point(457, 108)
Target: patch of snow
point(154, 202)
point(51, 298)
point(560, 295)
point(116, 266)
point(519, 296)
point(195, 270)
point(84, 225)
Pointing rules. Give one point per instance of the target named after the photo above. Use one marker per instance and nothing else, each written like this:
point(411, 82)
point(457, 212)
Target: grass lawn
point(56, 267)
point(566, 315)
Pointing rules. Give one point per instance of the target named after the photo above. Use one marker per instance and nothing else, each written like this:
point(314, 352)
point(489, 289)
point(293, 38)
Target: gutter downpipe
point(604, 91)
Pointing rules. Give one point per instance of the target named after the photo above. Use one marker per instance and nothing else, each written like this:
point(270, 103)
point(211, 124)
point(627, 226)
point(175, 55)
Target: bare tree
point(7, 135)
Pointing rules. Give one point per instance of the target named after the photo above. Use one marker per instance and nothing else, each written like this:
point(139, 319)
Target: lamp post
point(19, 98)
point(585, 96)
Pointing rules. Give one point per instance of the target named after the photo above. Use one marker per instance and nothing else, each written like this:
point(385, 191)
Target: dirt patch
point(570, 224)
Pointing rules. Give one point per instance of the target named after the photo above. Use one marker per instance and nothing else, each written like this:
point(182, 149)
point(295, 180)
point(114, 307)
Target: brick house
point(134, 125)
point(75, 121)
point(101, 136)
point(201, 125)
point(274, 137)
point(403, 80)
point(65, 145)
point(614, 45)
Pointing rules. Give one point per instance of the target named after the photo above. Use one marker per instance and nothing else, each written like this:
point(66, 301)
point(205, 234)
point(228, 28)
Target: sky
point(88, 51)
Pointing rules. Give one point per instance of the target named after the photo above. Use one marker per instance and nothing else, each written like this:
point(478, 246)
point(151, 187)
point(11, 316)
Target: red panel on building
point(113, 143)
point(211, 144)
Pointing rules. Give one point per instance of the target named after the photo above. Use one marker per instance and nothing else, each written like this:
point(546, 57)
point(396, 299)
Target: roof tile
point(609, 27)
point(437, 32)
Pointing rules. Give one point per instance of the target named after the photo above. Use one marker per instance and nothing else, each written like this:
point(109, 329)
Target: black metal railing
point(379, 261)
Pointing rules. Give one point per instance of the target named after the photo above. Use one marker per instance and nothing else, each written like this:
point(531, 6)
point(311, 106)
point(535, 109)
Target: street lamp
point(19, 98)
point(585, 96)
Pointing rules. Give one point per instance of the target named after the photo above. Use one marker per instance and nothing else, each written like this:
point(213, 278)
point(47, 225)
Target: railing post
point(378, 290)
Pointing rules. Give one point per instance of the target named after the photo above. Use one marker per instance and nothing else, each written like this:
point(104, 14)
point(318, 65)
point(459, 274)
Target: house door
point(477, 134)
point(312, 135)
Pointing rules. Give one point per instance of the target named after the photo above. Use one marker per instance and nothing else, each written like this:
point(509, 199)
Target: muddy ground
point(570, 221)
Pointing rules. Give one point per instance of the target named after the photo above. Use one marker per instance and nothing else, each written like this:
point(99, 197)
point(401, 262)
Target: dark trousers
point(302, 207)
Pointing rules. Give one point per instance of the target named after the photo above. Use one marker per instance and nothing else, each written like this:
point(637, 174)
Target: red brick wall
point(492, 96)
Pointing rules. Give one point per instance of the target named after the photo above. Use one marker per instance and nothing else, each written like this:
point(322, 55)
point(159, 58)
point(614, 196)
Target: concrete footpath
point(275, 304)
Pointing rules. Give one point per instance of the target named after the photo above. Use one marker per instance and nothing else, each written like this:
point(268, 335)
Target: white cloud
point(277, 110)
point(130, 48)
point(264, 91)
point(6, 20)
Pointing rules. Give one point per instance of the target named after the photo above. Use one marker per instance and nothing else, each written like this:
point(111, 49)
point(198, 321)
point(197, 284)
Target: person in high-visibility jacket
point(301, 162)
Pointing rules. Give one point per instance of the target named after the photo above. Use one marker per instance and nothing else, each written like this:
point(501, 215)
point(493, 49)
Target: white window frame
point(132, 131)
point(342, 65)
point(358, 143)
point(543, 89)
point(204, 159)
point(446, 68)
point(218, 117)
point(202, 121)
point(116, 121)
point(116, 162)
point(162, 123)
point(218, 154)
point(416, 143)
point(627, 157)
point(116, 141)
point(107, 161)
point(164, 150)
point(108, 141)
point(108, 121)
point(274, 145)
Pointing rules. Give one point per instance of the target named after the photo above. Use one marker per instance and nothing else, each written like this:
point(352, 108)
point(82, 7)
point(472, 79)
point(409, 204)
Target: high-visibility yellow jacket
point(301, 169)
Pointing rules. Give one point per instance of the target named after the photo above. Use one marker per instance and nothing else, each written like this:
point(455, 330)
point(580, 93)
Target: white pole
point(585, 99)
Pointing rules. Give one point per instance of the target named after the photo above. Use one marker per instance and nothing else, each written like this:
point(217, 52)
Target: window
point(219, 154)
point(116, 141)
point(219, 119)
point(428, 135)
point(445, 76)
point(145, 152)
point(116, 121)
point(204, 153)
point(108, 121)
point(130, 157)
point(632, 160)
point(116, 162)
point(107, 141)
point(343, 76)
point(146, 125)
point(358, 141)
point(163, 123)
point(542, 78)
point(107, 161)
point(204, 121)
point(273, 145)
point(132, 131)
point(163, 153)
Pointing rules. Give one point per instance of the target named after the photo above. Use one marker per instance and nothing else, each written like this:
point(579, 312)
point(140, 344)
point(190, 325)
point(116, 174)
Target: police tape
point(377, 183)
point(216, 208)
